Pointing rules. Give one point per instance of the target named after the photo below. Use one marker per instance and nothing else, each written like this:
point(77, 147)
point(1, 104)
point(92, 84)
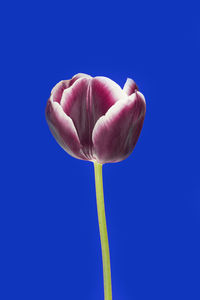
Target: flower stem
point(103, 231)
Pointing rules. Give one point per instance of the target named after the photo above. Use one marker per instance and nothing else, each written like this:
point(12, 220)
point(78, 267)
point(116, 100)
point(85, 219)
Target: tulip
point(94, 119)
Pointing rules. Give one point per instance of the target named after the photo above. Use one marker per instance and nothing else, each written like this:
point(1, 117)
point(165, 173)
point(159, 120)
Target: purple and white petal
point(130, 87)
point(115, 134)
point(63, 130)
point(74, 102)
point(104, 94)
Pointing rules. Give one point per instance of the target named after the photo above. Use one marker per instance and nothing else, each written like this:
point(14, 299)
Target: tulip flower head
point(94, 119)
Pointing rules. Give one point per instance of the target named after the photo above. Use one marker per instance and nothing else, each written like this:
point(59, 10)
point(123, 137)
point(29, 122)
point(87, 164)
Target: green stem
point(103, 231)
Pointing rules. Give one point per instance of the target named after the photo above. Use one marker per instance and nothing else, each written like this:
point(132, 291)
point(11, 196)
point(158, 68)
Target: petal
point(115, 134)
point(104, 94)
point(75, 104)
point(63, 130)
point(130, 87)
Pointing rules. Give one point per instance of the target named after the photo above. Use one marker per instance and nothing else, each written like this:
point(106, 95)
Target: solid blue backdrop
point(50, 246)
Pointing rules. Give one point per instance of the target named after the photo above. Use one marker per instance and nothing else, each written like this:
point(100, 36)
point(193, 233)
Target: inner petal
point(104, 93)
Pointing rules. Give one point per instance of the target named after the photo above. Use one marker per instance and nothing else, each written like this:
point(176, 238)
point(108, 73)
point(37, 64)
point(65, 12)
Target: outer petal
point(116, 133)
point(130, 87)
point(63, 129)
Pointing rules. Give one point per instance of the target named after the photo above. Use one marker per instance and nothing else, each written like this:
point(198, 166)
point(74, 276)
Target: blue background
point(50, 246)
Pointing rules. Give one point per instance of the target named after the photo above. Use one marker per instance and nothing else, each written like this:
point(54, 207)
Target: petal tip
point(130, 86)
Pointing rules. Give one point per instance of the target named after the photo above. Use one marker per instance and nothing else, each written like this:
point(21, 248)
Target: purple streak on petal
point(130, 87)
point(116, 133)
point(63, 130)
